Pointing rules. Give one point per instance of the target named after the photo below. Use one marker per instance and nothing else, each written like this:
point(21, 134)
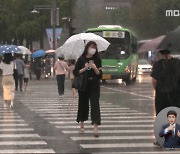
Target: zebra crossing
point(122, 129)
point(16, 136)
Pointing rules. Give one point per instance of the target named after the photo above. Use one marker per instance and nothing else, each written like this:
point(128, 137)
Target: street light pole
point(54, 9)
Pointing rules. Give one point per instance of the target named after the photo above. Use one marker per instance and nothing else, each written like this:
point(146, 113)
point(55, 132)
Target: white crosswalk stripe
point(16, 136)
point(27, 151)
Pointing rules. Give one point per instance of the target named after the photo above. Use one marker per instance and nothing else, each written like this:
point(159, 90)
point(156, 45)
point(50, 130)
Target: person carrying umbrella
point(8, 66)
point(89, 65)
point(166, 81)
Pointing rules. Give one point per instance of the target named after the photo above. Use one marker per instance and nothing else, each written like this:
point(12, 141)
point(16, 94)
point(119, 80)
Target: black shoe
point(96, 134)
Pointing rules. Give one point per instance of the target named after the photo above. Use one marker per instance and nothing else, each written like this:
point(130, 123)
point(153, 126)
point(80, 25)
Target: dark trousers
point(83, 105)
point(38, 74)
point(60, 82)
point(166, 99)
point(19, 79)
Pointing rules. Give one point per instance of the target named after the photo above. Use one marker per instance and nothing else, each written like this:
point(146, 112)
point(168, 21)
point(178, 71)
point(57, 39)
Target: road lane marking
point(140, 152)
point(19, 135)
point(105, 121)
point(118, 145)
point(27, 151)
point(12, 120)
point(15, 129)
point(82, 138)
point(2, 125)
point(102, 114)
point(110, 131)
point(22, 143)
point(122, 91)
point(74, 118)
point(113, 126)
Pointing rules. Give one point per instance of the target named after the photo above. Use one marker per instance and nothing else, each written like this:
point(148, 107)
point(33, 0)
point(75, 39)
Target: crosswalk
point(16, 136)
point(122, 129)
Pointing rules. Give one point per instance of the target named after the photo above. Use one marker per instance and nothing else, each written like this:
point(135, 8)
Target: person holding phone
point(89, 65)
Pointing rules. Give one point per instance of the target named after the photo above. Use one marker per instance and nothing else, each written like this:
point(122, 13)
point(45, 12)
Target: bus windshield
point(118, 48)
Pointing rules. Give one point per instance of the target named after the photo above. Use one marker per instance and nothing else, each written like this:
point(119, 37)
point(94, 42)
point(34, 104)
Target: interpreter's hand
point(178, 133)
point(171, 127)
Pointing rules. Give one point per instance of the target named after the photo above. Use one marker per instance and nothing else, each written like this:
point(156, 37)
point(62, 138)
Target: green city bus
point(120, 60)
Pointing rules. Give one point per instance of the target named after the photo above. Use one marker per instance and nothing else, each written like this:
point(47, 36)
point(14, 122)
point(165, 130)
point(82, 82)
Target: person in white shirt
point(8, 83)
point(26, 74)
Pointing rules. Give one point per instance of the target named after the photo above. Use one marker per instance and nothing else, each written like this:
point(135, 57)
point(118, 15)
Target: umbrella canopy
point(75, 45)
point(38, 53)
point(24, 50)
point(9, 49)
point(171, 41)
point(50, 51)
point(151, 45)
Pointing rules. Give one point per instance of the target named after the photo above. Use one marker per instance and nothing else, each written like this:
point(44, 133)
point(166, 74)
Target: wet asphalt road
point(43, 123)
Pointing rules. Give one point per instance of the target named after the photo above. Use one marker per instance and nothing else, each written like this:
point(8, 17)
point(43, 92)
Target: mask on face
point(91, 51)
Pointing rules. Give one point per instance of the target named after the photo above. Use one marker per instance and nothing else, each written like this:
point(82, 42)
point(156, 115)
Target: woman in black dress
point(89, 65)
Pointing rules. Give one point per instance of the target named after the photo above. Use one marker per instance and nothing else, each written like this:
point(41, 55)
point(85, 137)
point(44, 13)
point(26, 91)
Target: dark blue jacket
point(171, 141)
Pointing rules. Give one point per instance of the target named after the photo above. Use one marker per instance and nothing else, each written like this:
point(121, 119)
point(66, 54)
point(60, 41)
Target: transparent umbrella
point(74, 46)
point(24, 50)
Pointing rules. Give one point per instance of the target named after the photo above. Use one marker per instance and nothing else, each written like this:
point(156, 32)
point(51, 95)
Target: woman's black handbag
point(78, 83)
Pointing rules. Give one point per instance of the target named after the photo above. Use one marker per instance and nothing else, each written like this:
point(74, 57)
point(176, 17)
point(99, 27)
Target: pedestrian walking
point(26, 74)
point(71, 75)
point(47, 67)
point(20, 72)
point(60, 68)
point(38, 67)
point(166, 81)
point(7, 66)
point(89, 66)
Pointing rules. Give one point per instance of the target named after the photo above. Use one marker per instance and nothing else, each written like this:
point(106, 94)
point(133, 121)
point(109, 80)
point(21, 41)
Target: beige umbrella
point(50, 51)
point(24, 50)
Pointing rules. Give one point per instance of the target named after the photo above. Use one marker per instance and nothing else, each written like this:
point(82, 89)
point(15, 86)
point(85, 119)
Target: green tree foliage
point(18, 24)
point(147, 18)
point(121, 17)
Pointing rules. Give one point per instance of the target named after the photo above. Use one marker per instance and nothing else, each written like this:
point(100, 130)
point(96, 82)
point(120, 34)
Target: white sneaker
point(5, 106)
point(11, 107)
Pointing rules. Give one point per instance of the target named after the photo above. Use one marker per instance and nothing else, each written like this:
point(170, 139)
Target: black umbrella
point(171, 41)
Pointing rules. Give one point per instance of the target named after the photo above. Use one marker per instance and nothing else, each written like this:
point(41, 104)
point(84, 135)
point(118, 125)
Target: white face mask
point(91, 51)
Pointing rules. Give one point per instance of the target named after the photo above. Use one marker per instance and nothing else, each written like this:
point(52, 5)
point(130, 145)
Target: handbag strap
point(61, 65)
